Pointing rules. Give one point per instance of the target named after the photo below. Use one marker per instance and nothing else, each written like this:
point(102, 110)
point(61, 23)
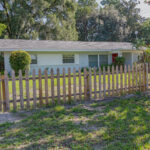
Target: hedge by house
point(20, 60)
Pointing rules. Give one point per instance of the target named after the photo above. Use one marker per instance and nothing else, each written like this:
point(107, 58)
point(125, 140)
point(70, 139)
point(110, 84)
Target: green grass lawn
point(122, 124)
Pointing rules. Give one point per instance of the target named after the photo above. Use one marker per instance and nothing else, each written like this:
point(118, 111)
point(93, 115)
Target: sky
point(145, 9)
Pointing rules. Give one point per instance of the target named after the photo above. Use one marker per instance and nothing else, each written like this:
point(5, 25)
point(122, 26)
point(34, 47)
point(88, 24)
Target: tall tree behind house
point(43, 19)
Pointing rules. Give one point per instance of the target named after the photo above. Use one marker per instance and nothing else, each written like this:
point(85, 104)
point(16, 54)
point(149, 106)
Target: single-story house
point(63, 54)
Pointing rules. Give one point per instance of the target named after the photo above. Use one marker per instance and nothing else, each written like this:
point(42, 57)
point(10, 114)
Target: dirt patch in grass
point(13, 117)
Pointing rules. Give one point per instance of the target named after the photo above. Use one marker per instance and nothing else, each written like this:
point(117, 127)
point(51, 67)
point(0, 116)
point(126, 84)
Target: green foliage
point(86, 9)
point(43, 19)
point(130, 11)
point(139, 43)
point(145, 57)
point(2, 28)
point(119, 61)
point(20, 60)
point(144, 31)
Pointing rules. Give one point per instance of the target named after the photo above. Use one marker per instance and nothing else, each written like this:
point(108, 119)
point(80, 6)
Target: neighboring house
point(73, 54)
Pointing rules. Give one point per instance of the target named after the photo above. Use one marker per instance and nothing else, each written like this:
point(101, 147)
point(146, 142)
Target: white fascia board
point(63, 50)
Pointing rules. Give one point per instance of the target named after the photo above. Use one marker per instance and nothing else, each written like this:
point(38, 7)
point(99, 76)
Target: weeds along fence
point(32, 91)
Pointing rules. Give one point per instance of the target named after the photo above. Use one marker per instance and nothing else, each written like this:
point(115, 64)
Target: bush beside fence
point(25, 92)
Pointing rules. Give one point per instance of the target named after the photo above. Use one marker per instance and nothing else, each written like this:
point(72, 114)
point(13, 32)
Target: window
point(68, 59)
point(103, 59)
point(33, 59)
point(93, 61)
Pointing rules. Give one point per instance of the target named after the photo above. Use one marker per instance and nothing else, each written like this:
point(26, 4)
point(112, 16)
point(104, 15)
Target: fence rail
point(31, 91)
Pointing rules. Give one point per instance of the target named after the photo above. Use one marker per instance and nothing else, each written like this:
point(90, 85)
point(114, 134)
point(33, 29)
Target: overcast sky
point(145, 9)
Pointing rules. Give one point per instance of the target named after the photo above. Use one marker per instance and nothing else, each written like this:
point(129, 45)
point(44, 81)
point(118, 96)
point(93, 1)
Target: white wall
point(51, 60)
point(128, 58)
point(135, 57)
point(6, 61)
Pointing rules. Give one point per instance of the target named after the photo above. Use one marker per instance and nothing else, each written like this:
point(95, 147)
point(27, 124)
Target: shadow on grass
point(120, 124)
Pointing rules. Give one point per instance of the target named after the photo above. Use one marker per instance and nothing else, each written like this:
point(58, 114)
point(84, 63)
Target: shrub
point(20, 60)
point(145, 57)
point(119, 61)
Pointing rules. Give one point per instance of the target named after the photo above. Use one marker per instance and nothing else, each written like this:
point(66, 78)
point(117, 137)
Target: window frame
point(33, 61)
point(93, 61)
point(102, 57)
point(65, 58)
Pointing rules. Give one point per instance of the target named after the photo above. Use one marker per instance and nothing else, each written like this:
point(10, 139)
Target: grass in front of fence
point(120, 124)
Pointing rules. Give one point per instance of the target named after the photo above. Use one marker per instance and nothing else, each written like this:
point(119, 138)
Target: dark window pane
point(103, 59)
point(68, 59)
point(33, 59)
point(93, 60)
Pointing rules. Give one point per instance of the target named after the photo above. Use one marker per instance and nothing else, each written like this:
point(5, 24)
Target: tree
point(2, 28)
point(20, 60)
point(86, 9)
point(103, 25)
point(43, 19)
point(129, 10)
point(144, 31)
point(110, 26)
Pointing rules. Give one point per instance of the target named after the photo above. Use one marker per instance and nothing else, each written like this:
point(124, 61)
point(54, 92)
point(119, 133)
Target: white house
point(64, 54)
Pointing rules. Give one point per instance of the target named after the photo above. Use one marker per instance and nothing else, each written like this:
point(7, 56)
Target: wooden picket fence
point(32, 91)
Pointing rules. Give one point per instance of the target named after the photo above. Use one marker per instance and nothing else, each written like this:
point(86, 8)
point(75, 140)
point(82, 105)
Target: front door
point(114, 56)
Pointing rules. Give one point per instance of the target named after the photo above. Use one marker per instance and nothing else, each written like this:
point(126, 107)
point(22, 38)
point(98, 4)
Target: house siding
point(48, 60)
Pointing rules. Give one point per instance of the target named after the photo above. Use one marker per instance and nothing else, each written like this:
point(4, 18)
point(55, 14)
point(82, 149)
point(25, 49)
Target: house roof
point(46, 45)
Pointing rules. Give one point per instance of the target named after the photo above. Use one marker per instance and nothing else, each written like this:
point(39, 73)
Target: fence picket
point(104, 82)
point(14, 90)
point(117, 88)
point(140, 71)
point(85, 84)
point(95, 85)
point(113, 83)
point(108, 71)
point(69, 84)
point(40, 88)
point(64, 85)
point(52, 86)
point(80, 85)
point(46, 85)
point(147, 78)
point(136, 77)
point(125, 79)
point(121, 79)
point(100, 84)
point(58, 85)
point(74, 83)
point(34, 89)
point(129, 84)
point(0, 93)
point(144, 77)
point(21, 90)
point(133, 86)
point(27, 89)
point(90, 84)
